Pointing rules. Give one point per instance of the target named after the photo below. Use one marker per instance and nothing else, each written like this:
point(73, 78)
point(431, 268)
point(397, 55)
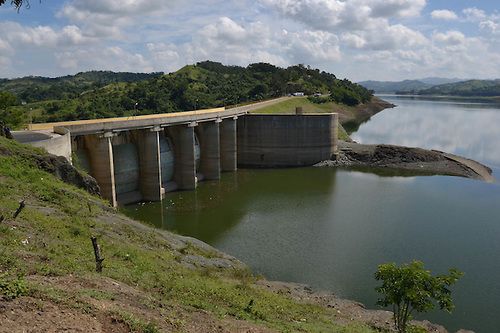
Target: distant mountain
point(434, 81)
point(391, 87)
point(37, 88)
point(483, 88)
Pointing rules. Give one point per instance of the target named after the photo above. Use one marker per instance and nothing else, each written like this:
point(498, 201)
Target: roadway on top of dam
point(95, 126)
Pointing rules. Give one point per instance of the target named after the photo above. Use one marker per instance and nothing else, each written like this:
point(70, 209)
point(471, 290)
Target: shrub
point(410, 288)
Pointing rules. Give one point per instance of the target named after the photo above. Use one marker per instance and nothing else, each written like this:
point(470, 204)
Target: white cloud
point(41, 36)
point(5, 47)
point(227, 30)
point(311, 46)
point(353, 40)
point(474, 14)
point(395, 8)
point(347, 15)
point(108, 58)
point(362, 24)
point(450, 38)
point(486, 22)
point(490, 26)
point(359, 39)
point(81, 10)
point(444, 14)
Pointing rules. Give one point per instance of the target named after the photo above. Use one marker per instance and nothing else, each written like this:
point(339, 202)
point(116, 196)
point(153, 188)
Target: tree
point(16, 3)
point(7, 99)
point(410, 288)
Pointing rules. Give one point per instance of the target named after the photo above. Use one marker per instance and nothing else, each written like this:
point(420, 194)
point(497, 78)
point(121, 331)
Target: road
point(195, 114)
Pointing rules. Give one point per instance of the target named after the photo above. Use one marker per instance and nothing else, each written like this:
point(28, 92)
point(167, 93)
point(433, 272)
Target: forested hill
point(204, 85)
point(37, 88)
point(484, 88)
point(389, 87)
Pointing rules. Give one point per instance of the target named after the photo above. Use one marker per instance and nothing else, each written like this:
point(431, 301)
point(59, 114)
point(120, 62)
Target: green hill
point(470, 88)
point(204, 85)
point(390, 87)
point(37, 88)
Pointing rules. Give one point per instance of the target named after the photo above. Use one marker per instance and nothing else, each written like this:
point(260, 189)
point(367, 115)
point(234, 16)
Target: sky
point(356, 39)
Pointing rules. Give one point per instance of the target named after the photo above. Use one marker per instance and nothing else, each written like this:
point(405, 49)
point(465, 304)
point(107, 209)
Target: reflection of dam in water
point(217, 208)
point(142, 158)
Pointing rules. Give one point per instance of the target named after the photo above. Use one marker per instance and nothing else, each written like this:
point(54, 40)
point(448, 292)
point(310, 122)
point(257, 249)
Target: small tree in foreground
point(410, 288)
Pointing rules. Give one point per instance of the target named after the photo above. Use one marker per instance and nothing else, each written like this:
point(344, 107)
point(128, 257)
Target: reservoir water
point(331, 228)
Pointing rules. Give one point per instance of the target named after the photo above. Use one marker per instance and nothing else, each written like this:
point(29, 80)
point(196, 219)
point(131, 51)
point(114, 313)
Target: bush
point(410, 288)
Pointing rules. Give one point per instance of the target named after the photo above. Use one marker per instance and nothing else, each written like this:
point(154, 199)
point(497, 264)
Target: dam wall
point(141, 158)
point(286, 140)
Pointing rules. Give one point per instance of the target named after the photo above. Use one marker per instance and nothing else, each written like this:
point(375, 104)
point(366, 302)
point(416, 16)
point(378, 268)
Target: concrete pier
point(148, 143)
point(101, 164)
point(184, 154)
point(228, 145)
point(210, 150)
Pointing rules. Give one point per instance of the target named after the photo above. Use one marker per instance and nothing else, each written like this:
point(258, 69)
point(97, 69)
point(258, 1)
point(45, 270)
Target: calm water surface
point(331, 228)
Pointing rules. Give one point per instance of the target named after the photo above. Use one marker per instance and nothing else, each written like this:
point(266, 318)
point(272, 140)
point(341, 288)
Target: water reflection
point(218, 206)
point(462, 128)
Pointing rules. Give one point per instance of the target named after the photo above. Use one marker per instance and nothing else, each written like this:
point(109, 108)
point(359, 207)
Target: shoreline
point(411, 161)
point(351, 121)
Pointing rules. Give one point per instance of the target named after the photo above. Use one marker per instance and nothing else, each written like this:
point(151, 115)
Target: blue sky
point(357, 39)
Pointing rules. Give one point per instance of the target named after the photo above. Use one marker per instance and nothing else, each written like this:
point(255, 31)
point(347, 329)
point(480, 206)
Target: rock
point(62, 169)
point(413, 161)
point(58, 166)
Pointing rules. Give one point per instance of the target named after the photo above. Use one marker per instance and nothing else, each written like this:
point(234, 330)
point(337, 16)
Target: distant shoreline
point(490, 99)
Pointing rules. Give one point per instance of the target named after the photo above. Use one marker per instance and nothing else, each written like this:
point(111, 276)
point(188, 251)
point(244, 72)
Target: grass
point(288, 107)
point(51, 240)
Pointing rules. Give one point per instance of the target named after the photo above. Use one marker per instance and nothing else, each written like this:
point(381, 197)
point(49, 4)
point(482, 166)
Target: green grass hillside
point(152, 281)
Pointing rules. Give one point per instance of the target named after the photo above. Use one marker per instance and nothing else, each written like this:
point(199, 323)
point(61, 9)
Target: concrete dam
point(141, 158)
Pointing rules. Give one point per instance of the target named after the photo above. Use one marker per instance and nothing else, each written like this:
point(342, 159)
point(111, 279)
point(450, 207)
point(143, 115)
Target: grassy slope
point(49, 245)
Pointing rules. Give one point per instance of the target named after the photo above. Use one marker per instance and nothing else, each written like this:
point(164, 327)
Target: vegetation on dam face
point(207, 84)
point(152, 280)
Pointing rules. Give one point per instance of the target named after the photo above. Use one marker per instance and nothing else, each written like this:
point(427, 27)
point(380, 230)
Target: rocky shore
point(346, 310)
point(406, 161)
